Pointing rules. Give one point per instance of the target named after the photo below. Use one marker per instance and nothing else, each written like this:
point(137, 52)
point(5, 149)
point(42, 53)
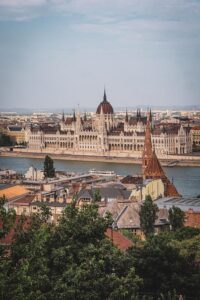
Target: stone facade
point(106, 135)
point(196, 136)
point(16, 133)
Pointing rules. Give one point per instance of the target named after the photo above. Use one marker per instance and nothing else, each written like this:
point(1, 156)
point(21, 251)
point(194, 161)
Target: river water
point(186, 179)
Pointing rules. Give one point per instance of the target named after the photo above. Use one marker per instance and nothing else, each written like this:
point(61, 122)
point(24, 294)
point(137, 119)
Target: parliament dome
point(105, 106)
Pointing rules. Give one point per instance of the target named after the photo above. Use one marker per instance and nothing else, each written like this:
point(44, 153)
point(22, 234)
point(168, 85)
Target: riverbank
point(173, 161)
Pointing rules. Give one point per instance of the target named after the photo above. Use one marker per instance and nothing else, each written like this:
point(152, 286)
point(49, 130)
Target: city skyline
point(61, 53)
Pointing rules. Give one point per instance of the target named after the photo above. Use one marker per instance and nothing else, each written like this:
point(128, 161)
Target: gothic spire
point(74, 116)
point(151, 167)
point(147, 152)
point(85, 117)
point(63, 116)
point(150, 116)
point(104, 95)
point(126, 118)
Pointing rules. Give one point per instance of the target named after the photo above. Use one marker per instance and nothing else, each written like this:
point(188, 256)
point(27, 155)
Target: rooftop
point(183, 203)
point(13, 192)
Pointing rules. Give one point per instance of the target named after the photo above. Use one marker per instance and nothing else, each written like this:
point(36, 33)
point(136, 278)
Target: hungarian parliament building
point(106, 135)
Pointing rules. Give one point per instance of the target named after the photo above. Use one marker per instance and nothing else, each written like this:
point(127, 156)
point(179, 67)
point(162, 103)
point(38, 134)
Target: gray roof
point(51, 204)
point(85, 193)
point(15, 128)
point(183, 203)
point(126, 214)
point(110, 192)
point(105, 192)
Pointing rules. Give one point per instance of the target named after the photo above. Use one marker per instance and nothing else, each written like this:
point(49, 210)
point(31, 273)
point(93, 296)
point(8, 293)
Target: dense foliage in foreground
point(74, 260)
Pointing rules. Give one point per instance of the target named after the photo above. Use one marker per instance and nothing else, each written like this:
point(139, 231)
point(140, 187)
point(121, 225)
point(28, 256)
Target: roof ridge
point(121, 213)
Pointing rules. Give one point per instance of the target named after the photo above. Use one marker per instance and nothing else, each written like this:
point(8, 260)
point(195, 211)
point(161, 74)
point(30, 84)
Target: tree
point(176, 218)
point(164, 268)
point(97, 195)
point(81, 250)
point(7, 218)
point(5, 140)
point(49, 170)
point(148, 216)
point(28, 264)
point(73, 260)
point(186, 233)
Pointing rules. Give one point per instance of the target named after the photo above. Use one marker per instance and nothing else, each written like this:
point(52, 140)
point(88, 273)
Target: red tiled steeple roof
point(147, 147)
point(153, 168)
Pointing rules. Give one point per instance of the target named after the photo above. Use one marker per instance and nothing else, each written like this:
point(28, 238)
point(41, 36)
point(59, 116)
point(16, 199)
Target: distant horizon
point(84, 109)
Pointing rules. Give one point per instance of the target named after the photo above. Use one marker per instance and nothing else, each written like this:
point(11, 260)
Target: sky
point(61, 53)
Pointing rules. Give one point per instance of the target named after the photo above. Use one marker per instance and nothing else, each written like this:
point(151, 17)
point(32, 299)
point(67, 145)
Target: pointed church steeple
point(138, 114)
point(104, 95)
point(151, 167)
point(126, 118)
point(147, 152)
point(74, 116)
point(150, 116)
point(63, 117)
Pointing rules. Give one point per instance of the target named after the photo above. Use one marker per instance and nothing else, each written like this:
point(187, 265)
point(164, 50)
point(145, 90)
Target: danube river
point(186, 179)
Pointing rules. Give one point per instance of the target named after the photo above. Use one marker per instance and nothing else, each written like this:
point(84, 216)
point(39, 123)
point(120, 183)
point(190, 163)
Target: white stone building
point(34, 174)
point(105, 135)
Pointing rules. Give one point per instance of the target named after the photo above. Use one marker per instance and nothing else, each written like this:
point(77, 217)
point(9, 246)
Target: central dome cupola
point(105, 106)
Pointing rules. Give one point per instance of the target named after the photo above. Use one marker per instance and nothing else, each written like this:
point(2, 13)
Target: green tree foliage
point(97, 195)
point(5, 140)
point(49, 170)
point(137, 241)
point(7, 218)
point(188, 247)
point(148, 216)
point(164, 268)
point(185, 233)
point(176, 218)
point(73, 260)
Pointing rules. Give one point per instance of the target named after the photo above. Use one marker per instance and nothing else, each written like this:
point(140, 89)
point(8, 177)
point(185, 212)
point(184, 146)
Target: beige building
point(22, 205)
point(104, 134)
point(16, 133)
point(196, 136)
point(154, 188)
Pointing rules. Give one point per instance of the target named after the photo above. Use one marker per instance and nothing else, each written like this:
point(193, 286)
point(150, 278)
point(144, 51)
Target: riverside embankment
point(170, 160)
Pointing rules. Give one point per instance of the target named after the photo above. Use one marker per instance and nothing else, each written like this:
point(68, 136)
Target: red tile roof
point(118, 239)
point(196, 128)
point(8, 238)
point(153, 168)
point(26, 200)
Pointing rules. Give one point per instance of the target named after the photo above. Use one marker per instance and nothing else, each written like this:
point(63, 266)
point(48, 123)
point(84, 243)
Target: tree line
point(75, 260)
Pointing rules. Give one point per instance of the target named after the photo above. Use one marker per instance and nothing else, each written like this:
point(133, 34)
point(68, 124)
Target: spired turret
point(147, 152)
point(126, 117)
point(151, 167)
point(63, 117)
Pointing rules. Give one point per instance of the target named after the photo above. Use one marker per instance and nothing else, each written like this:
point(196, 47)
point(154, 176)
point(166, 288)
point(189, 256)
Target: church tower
point(151, 167)
point(147, 152)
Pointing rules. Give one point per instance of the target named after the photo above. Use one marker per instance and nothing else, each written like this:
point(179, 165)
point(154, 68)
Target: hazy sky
point(58, 53)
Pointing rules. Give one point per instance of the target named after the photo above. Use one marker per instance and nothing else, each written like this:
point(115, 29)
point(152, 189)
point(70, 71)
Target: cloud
point(141, 18)
point(22, 3)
